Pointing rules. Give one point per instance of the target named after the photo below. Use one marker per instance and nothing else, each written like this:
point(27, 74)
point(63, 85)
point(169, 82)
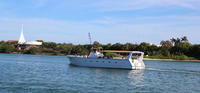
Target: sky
point(108, 21)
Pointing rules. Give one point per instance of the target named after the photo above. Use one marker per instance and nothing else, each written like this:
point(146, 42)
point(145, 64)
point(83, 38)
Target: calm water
point(52, 74)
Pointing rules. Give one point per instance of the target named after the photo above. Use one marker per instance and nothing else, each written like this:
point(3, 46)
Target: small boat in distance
point(97, 59)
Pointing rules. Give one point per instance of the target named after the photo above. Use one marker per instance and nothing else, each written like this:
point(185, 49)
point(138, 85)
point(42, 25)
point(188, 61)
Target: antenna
point(90, 38)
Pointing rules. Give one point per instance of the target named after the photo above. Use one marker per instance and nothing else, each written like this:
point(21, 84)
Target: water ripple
point(52, 74)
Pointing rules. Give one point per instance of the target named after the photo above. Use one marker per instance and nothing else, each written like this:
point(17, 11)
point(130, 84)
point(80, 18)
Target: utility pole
point(90, 38)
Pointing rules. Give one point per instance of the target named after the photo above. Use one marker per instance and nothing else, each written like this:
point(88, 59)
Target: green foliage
point(32, 50)
point(179, 40)
point(64, 48)
point(165, 47)
point(175, 48)
point(194, 51)
point(180, 48)
point(129, 46)
point(2, 42)
point(176, 57)
point(7, 48)
point(157, 57)
point(180, 57)
point(143, 47)
point(49, 45)
point(116, 46)
point(152, 50)
point(40, 40)
point(166, 44)
point(96, 44)
point(112, 55)
point(47, 50)
point(107, 46)
point(79, 50)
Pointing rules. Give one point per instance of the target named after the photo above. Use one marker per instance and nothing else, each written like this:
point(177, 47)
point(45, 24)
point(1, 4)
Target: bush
point(180, 57)
point(7, 48)
point(32, 50)
point(176, 57)
point(157, 57)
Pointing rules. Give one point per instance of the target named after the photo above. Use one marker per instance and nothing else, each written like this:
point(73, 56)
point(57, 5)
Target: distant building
point(22, 40)
point(155, 44)
point(23, 44)
point(12, 41)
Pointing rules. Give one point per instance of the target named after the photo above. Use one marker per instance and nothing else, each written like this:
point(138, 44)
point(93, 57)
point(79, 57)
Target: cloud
point(104, 5)
point(121, 30)
point(172, 20)
point(125, 5)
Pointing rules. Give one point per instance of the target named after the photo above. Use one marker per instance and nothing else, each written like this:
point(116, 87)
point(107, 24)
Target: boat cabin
point(132, 55)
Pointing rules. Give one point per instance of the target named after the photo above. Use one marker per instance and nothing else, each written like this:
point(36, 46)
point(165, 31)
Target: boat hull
point(104, 63)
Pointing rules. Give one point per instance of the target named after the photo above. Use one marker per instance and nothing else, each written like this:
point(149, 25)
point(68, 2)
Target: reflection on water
point(98, 73)
point(136, 77)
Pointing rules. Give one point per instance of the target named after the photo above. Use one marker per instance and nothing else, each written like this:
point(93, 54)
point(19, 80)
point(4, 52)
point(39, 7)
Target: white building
point(22, 40)
point(155, 44)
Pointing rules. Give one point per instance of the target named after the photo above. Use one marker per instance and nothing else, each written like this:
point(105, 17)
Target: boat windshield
point(136, 55)
point(123, 54)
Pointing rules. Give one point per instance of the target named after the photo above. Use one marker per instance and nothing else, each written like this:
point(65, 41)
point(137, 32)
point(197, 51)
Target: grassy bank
point(175, 57)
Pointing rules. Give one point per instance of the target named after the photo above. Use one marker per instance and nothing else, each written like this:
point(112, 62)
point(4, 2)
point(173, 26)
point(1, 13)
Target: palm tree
point(184, 39)
point(173, 40)
point(178, 40)
point(166, 44)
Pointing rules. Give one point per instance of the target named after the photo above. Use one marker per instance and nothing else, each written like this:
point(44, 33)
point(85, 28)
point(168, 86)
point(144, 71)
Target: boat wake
point(171, 70)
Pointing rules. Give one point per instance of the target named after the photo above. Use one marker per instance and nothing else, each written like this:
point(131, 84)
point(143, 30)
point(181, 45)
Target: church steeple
point(22, 39)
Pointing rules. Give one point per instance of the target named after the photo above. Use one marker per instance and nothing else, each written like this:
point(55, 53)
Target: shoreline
point(171, 60)
point(150, 59)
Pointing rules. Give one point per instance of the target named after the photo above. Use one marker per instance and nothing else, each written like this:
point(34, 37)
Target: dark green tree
point(184, 39)
point(116, 46)
point(32, 50)
point(165, 47)
point(7, 48)
point(96, 44)
point(49, 45)
point(194, 51)
point(143, 47)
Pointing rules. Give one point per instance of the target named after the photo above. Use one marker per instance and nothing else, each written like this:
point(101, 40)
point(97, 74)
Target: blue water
point(53, 74)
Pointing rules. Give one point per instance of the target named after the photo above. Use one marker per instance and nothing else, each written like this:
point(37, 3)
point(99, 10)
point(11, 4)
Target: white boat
point(96, 59)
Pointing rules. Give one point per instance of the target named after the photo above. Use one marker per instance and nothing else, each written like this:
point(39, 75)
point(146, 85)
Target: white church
point(22, 40)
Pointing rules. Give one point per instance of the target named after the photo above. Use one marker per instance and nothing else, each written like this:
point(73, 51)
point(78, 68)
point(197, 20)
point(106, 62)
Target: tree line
point(175, 48)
